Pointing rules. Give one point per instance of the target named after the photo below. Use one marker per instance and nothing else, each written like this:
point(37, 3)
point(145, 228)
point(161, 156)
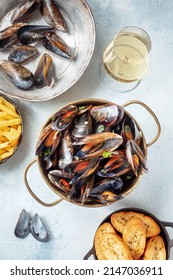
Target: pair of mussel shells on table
point(35, 226)
point(91, 152)
point(20, 76)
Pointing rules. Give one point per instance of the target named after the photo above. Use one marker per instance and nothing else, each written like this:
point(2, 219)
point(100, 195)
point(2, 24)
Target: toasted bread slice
point(113, 248)
point(103, 229)
point(155, 249)
point(119, 220)
point(134, 236)
point(152, 228)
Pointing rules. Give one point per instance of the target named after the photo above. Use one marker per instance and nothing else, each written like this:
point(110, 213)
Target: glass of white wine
point(126, 58)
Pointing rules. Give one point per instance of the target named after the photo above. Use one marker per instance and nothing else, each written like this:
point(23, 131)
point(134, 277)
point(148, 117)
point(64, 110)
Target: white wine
point(126, 57)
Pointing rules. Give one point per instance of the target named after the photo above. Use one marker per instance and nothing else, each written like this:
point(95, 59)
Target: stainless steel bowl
point(132, 185)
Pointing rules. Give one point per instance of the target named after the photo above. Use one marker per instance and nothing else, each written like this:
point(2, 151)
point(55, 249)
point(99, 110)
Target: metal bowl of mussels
point(92, 152)
point(45, 46)
point(116, 222)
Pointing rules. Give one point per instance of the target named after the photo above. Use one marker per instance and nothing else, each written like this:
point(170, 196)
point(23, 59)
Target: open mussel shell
point(18, 75)
point(25, 10)
point(57, 45)
point(22, 228)
point(32, 33)
point(22, 53)
point(44, 72)
point(38, 229)
point(9, 35)
point(52, 15)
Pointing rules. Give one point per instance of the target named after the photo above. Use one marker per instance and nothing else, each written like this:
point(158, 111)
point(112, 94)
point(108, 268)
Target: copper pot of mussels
point(131, 234)
point(92, 152)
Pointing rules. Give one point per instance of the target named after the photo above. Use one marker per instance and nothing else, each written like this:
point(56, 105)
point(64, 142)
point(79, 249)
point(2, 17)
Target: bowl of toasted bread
point(131, 234)
point(11, 128)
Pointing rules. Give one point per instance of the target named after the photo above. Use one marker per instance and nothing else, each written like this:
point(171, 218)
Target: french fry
point(10, 122)
point(7, 103)
point(4, 108)
point(15, 138)
point(5, 116)
point(5, 155)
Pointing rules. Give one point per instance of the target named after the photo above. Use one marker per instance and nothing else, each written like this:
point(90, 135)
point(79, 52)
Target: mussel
point(25, 10)
point(108, 114)
point(135, 157)
point(18, 75)
point(64, 117)
point(38, 229)
point(44, 72)
point(81, 190)
point(107, 190)
point(60, 183)
point(22, 228)
point(66, 151)
point(57, 45)
point(52, 15)
point(9, 35)
point(22, 53)
point(32, 33)
point(82, 126)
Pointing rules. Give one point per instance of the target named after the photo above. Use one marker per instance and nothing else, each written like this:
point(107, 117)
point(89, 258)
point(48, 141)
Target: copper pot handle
point(152, 114)
point(88, 255)
point(168, 224)
point(33, 194)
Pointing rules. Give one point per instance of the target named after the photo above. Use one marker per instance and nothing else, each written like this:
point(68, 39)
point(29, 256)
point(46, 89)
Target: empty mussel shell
point(25, 10)
point(22, 228)
point(38, 229)
point(52, 15)
point(44, 72)
point(32, 33)
point(9, 35)
point(22, 53)
point(18, 75)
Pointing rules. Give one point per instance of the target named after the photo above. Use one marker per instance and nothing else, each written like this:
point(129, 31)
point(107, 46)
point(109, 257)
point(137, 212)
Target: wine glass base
point(109, 83)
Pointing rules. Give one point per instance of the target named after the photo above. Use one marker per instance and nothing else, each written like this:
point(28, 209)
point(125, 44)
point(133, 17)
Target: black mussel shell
point(52, 15)
point(18, 75)
point(22, 53)
point(25, 10)
point(44, 72)
point(32, 33)
point(22, 228)
point(38, 229)
point(9, 35)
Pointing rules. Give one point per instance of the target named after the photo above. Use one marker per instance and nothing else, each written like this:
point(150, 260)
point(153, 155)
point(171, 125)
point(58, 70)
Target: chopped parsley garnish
point(47, 151)
point(128, 177)
point(101, 128)
point(107, 154)
point(81, 107)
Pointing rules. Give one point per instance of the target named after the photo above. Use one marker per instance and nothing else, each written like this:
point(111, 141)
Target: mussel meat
point(25, 10)
point(64, 117)
point(22, 53)
point(18, 75)
point(52, 15)
point(107, 190)
point(44, 72)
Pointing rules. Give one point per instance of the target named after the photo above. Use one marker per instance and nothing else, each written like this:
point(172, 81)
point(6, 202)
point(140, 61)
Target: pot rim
point(159, 222)
point(88, 204)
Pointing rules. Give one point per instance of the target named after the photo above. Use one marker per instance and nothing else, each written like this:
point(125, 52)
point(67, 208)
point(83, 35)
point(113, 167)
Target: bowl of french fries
point(11, 128)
